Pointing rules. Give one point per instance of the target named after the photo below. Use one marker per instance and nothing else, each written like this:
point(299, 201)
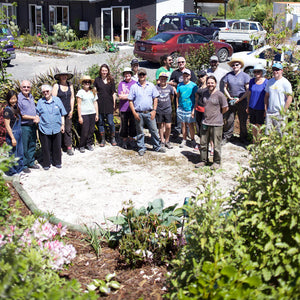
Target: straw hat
point(236, 60)
point(86, 78)
point(57, 75)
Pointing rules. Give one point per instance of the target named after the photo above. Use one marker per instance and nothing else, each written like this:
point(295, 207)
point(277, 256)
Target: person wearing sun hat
point(236, 84)
point(255, 99)
point(278, 97)
point(127, 129)
point(87, 108)
point(164, 109)
point(64, 90)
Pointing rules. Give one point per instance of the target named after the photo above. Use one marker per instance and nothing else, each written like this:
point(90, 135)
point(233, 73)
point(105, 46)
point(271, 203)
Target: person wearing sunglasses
point(166, 67)
point(236, 84)
point(87, 108)
point(278, 97)
point(29, 122)
point(52, 124)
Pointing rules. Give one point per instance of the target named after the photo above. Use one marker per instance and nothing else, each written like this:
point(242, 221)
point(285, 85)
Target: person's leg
point(132, 128)
point(140, 133)
point(84, 131)
point(192, 130)
point(101, 129)
point(204, 140)
point(19, 149)
point(31, 145)
point(199, 117)
point(56, 149)
point(151, 124)
point(217, 139)
point(183, 129)
point(91, 129)
point(25, 141)
point(229, 122)
point(167, 132)
point(161, 132)
point(243, 116)
point(111, 124)
point(68, 133)
point(46, 149)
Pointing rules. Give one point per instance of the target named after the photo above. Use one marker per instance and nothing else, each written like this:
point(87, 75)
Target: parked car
point(222, 24)
point(265, 56)
point(187, 22)
point(177, 43)
point(7, 44)
point(245, 34)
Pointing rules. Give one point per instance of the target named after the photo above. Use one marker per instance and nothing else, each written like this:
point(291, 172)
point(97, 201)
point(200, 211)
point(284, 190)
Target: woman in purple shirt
point(256, 96)
point(127, 130)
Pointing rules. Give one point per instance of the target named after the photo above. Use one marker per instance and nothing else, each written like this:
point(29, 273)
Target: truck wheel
point(223, 54)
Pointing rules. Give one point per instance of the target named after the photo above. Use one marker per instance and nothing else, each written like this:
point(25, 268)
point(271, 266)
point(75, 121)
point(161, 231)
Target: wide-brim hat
point(57, 75)
point(127, 70)
point(236, 60)
point(86, 78)
point(259, 67)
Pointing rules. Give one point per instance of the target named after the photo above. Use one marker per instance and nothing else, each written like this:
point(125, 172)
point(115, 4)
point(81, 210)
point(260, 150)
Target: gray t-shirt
point(236, 83)
point(164, 104)
point(213, 104)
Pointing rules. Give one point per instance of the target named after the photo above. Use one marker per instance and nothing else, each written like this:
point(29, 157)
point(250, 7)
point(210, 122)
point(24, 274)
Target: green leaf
point(118, 220)
point(266, 274)
point(104, 290)
point(254, 281)
point(229, 271)
point(294, 222)
point(115, 284)
point(110, 276)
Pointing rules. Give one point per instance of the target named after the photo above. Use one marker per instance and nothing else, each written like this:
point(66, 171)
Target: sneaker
point(34, 167)
point(168, 145)
point(81, 149)
point(70, 151)
point(215, 166)
point(141, 152)
point(46, 168)
point(161, 150)
point(200, 165)
point(90, 147)
point(183, 144)
point(26, 170)
point(58, 166)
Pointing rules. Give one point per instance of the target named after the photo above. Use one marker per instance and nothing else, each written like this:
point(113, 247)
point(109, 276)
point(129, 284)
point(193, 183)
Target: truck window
point(169, 23)
point(204, 22)
point(236, 26)
point(245, 26)
point(253, 26)
point(260, 27)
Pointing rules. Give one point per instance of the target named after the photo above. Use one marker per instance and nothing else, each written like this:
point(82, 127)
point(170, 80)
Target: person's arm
point(135, 114)
point(62, 127)
point(114, 99)
point(55, 90)
point(70, 115)
point(9, 131)
point(226, 92)
point(97, 112)
point(153, 112)
point(79, 101)
point(266, 101)
point(177, 99)
point(248, 101)
point(288, 102)
point(224, 109)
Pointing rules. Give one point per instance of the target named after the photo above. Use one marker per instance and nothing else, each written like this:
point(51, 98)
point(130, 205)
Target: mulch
point(147, 282)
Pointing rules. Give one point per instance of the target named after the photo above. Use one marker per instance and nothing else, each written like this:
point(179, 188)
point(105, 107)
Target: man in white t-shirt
point(216, 71)
point(278, 96)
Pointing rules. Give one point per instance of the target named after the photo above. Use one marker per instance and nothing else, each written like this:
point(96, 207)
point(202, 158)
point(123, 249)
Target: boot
point(102, 143)
point(113, 140)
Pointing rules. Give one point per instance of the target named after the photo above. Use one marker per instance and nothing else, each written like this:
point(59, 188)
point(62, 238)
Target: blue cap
point(278, 66)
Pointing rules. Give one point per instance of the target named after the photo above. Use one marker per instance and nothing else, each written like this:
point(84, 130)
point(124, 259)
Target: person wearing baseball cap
point(278, 96)
point(236, 84)
point(143, 104)
point(216, 71)
point(127, 129)
point(134, 67)
point(164, 109)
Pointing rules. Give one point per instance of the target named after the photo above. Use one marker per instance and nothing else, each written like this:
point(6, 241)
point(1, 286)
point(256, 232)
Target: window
point(185, 39)
point(58, 14)
point(200, 39)
point(253, 26)
point(9, 13)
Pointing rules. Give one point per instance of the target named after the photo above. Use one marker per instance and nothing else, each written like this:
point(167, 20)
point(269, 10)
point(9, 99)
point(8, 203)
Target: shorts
point(185, 116)
point(256, 116)
point(163, 118)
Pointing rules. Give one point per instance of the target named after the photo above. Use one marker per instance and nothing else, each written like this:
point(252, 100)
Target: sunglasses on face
point(181, 62)
point(142, 74)
point(45, 92)
point(275, 69)
point(86, 82)
point(26, 87)
point(235, 65)
point(257, 71)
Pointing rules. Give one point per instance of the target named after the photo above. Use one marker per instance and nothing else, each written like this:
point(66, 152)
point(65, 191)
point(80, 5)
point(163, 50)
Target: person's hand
point(14, 142)
point(96, 118)
point(80, 120)
point(152, 114)
point(62, 128)
point(70, 115)
point(137, 116)
point(36, 119)
point(247, 110)
point(192, 114)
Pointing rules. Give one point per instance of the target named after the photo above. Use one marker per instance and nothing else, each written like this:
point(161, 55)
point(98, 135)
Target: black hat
point(134, 61)
point(201, 73)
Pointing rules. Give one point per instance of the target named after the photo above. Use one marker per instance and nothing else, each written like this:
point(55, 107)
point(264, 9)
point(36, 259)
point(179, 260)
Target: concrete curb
point(33, 208)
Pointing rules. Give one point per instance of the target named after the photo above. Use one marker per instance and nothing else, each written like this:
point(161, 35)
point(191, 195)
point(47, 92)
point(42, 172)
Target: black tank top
point(65, 97)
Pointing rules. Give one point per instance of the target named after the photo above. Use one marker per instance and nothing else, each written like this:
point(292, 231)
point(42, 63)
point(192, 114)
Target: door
point(106, 24)
point(125, 29)
point(35, 19)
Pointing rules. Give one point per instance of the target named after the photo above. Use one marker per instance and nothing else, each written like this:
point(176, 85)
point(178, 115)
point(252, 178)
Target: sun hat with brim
point(278, 66)
point(259, 67)
point(163, 74)
point(236, 60)
point(57, 75)
point(127, 70)
point(86, 78)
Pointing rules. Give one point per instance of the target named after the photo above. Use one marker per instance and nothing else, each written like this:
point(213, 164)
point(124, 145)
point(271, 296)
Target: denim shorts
point(185, 116)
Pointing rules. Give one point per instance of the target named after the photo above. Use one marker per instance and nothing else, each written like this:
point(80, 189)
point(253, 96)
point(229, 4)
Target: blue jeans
point(29, 144)
point(151, 124)
point(110, 121)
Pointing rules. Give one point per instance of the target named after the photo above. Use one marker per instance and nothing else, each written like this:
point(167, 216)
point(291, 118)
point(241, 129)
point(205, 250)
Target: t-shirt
point(213, 104)
point(124, 88)
point(105, 96)
point(219, 74)
point(187, 92)
point(236, 83)
point(278, 91)
point(257, 94)
point(87, 102)
point(177, 76)
point(163, 69)
point(9, 115)
point(200, 105)
point(164, 104)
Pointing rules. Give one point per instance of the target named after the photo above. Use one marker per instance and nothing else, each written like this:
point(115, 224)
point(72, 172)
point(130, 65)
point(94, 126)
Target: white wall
point(164, 7)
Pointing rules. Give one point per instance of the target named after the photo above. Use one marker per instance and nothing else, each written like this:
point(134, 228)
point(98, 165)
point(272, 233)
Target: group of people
point(208, 101)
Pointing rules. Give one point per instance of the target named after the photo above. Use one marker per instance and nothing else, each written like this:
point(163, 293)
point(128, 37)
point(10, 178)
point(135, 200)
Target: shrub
point(247, 245)
point(61, 33)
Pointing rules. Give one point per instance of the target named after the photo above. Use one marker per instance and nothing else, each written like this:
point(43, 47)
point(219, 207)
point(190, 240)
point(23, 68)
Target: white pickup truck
point(244, 34)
